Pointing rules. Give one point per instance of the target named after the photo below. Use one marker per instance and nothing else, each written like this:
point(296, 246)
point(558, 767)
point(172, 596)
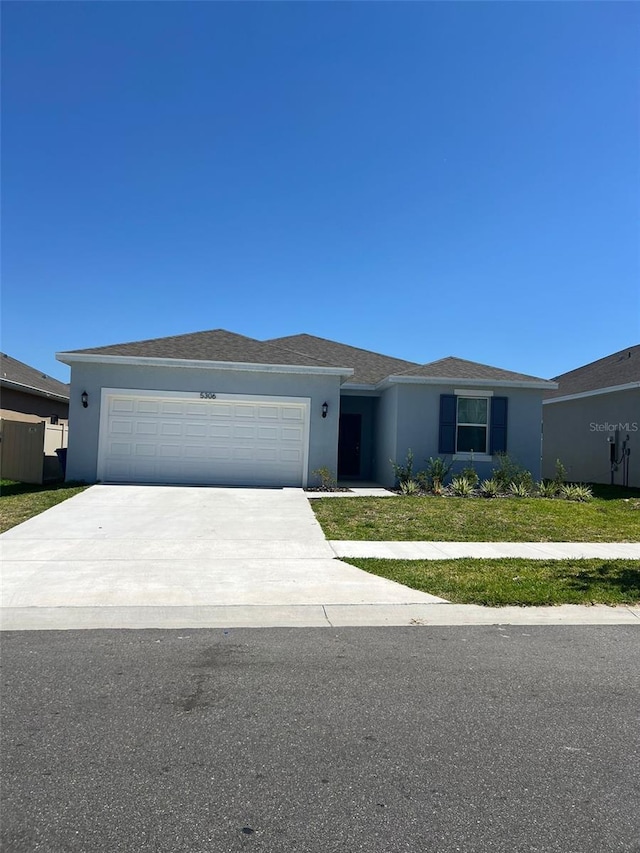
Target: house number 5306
point(207, 395)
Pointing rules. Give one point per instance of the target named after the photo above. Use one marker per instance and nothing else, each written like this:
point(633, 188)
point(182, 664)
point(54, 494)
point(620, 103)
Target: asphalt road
point(364, 739)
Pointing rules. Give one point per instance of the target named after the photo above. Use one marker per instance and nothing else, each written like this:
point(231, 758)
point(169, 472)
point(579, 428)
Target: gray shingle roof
point(304, 351)
point(618, 369)
point(370, 367)
point(459, 368)
point(21, 374)
point(214, 345)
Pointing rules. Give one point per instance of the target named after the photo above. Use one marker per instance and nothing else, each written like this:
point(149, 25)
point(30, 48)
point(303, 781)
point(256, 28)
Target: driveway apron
point(161, 549)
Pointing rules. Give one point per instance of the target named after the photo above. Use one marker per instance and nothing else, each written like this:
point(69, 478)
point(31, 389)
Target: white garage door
point(234, 439)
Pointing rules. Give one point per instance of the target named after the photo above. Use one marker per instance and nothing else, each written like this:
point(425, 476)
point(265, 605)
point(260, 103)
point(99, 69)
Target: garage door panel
point(192, 430)
point(221, 431)
point(168, 428)
point(170, 451)
point(120, 405)
point(267, 454)
point(243, 454)
point(219, 453)
point(145, 450)
point(191, 452)
point(270, 412)
point(289, 434)
point(120, 449)
point(172, 408)
point(163, 440)
point(146, 428)
point(292, 414)
point(268, 433)
point(223, 411)
point(244, 432)
point(197, 410)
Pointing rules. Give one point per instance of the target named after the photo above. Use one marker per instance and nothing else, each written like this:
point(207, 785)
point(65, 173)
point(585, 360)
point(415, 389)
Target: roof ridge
point(339, 343)
point(464, 361)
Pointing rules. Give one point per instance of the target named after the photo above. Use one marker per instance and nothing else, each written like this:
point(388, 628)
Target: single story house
point(29, 395)
point(34, 414)
point(216, 407)
point(592, 421)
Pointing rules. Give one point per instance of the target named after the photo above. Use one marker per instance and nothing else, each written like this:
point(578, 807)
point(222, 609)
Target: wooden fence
point(28, 450)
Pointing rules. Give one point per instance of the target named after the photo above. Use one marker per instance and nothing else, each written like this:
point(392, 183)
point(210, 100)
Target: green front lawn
point(21, 501)
point(447, 519)
point(499, 583)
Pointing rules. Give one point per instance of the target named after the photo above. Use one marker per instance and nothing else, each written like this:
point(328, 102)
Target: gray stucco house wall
point(581, 432)
point(387, 436)
point(418, 428)
point(592, 421)
point(92, 378)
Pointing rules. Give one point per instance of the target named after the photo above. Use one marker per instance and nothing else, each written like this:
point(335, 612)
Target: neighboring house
point(592, 421)
point(34, 413)
point(29, 395)
point(220, 408)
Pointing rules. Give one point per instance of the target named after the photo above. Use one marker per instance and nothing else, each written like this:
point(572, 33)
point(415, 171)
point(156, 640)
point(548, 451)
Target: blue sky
point(420, 179)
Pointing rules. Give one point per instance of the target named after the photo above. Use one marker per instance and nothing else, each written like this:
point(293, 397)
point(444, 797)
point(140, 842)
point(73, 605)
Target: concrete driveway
point(174, 556)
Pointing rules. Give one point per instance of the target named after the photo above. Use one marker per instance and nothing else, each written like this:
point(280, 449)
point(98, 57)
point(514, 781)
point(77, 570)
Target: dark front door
point(349, 439)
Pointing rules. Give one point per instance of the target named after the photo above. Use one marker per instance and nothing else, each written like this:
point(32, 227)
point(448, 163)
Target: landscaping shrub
point(509, 471)
point(547, 488)
point(461, 487)
point(403, 473)
point(436, 473)
point(576, 492)
point(409, 487)
point(489, 488)
point(519, 490)
point(326, 480)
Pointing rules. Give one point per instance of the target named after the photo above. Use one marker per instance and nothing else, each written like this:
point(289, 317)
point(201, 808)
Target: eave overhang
point(29, 389)
point(72, 358)
point(534, 384)
point(581, 395)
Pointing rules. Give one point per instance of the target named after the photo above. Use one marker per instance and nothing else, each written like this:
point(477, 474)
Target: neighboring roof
point(459, 368)
point(621, 368)
point(214, 345)
point(370, 367)
point(16, 374)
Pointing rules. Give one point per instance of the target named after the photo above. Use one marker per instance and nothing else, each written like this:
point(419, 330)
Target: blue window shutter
point(498, 438)
point(447, 435)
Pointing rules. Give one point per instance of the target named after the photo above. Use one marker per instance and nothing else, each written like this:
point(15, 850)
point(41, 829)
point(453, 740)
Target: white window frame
point(476, 455)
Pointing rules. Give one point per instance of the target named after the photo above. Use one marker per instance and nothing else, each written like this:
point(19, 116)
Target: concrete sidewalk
point(494, 550)
point(184, 557)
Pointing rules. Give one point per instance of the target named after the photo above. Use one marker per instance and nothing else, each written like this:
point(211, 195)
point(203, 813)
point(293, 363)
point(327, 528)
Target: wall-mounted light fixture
point(85, 399)
point(325, 409)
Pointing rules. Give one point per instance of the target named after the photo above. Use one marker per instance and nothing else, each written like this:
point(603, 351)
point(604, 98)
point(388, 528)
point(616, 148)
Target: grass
point(499, 583)
point(21, 501)
point(612, 516)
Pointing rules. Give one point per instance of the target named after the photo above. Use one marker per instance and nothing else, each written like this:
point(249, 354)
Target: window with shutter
point(473, 424)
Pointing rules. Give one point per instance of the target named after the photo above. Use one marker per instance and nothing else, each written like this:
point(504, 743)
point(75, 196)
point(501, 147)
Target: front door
point(349, 440)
